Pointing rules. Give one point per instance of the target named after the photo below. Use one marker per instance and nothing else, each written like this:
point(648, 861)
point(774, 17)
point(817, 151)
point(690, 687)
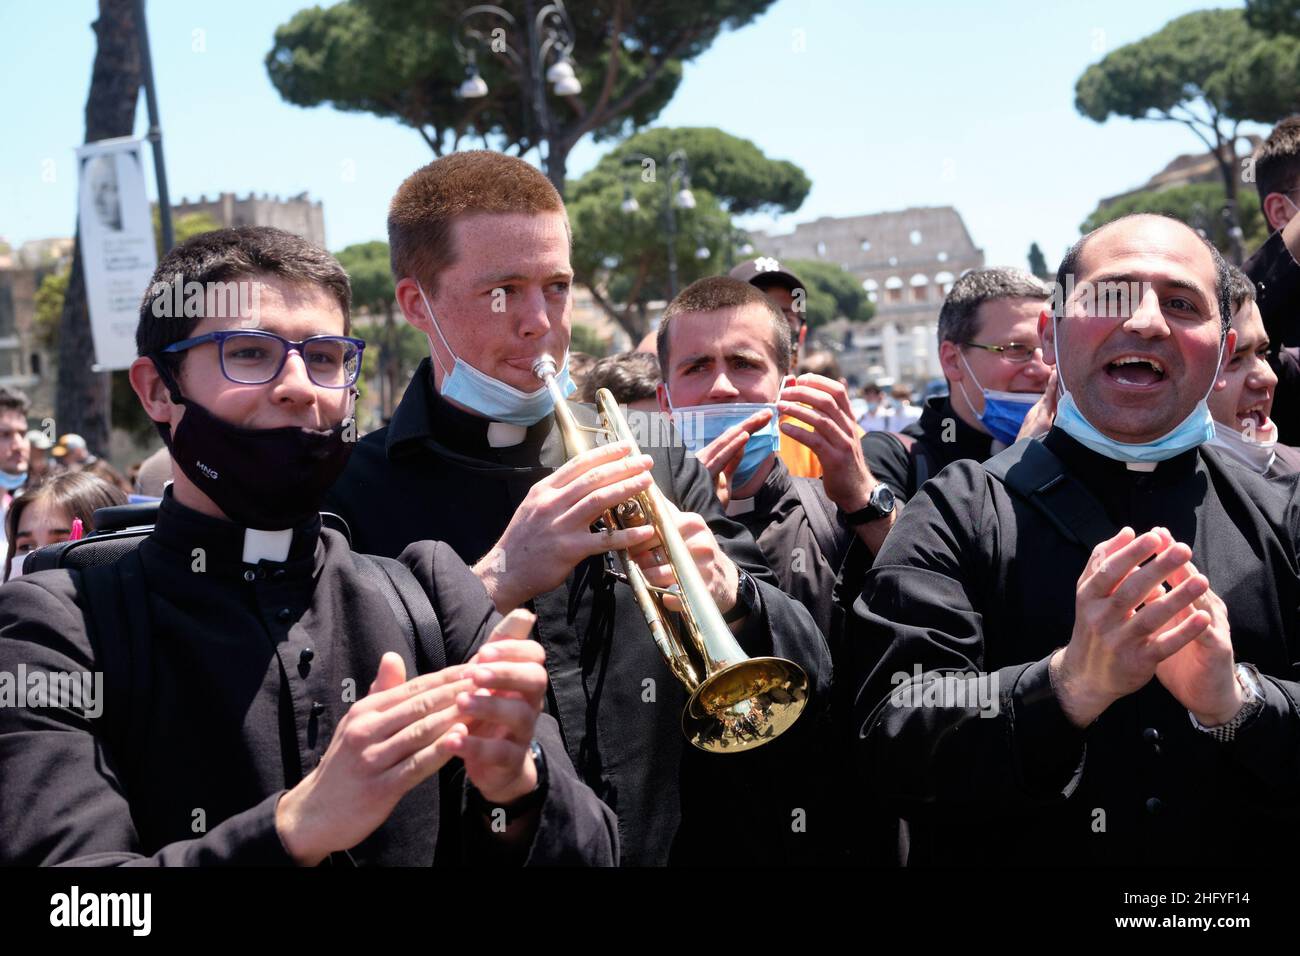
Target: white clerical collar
point(266, 545)
point(505, 434)
point(1141, 465)
point(740, 506)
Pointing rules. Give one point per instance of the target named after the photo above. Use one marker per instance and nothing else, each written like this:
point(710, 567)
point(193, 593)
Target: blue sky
point(883, 104)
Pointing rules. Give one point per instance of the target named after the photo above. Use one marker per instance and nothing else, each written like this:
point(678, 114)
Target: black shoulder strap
point(118, 617)
point(832, 537)
point(410, 606)
point(917, 456)
point(1029, 469)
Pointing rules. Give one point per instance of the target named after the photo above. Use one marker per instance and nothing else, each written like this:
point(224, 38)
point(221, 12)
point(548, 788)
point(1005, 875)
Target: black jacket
point(229, 699)
point(941, 438)
point(1277, 291)
point(432, 473)
point(976, 583)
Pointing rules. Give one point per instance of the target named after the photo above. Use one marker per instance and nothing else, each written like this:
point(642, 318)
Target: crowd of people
point(1049, 617)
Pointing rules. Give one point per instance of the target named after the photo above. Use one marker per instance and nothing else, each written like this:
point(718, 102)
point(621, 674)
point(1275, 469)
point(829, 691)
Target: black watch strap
point(747, 600)
point(878, 506)
point(525, 804)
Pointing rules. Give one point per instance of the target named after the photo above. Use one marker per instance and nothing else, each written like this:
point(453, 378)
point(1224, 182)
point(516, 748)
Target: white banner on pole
point(118, 253)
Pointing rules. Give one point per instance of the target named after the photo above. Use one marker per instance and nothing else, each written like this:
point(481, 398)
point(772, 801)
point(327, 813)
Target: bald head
point(1164, 231)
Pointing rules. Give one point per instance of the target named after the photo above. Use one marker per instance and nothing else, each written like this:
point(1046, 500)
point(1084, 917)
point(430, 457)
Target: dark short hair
point(723, 292)
point(1222, 278)
point(1277, 159)
point(14, 400)
point(959, 315)
point(630, 376)
point(1240, 289)
point(226, 255)
point(427, 204)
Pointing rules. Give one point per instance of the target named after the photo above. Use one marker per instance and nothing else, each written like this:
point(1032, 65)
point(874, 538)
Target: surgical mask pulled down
point(490, 397)
point(1004, 412)
point(1196, 429)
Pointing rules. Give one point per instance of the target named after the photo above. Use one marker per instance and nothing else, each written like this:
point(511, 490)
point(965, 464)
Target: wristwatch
point(747, 599)
point(1248, 677)
point(880, 504)
point(525, 804)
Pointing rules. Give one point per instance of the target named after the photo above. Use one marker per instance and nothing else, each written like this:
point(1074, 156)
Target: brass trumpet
point(737, 702)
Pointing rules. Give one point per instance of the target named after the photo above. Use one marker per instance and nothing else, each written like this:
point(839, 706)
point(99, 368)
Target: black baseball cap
point(764, 271)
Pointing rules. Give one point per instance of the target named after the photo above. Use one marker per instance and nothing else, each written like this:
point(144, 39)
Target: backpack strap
point(832, 537)
point(918, 458)
point(1029, 469)
point(410, 605)
point(118, 623)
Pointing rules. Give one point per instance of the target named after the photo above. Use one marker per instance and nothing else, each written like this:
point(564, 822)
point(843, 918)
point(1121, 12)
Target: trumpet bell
point(745, 705)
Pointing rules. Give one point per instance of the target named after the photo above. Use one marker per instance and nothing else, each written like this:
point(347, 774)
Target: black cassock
point(226, 693)
point(1276, 275)
point(433, 473)
point(940, 435)
point(973, 581)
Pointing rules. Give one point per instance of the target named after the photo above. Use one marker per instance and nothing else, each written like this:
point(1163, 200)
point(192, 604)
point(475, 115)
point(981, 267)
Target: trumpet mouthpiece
point(544, 366)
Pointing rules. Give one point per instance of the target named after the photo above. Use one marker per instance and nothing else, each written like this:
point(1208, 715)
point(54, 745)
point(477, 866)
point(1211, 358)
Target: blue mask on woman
point(1195, 429)
point(1004, 412)
point(700, 424)
point(490, 397)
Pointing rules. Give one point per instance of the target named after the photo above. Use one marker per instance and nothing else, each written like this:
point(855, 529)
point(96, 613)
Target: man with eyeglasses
point(992, 359)
point(1275, 267)
point(261, 695)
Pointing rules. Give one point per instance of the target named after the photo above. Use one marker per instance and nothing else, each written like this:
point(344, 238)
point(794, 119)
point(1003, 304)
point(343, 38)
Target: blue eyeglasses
point(255, 357)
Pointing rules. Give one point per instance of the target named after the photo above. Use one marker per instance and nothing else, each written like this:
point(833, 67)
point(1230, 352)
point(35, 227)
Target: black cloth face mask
point(264, 478)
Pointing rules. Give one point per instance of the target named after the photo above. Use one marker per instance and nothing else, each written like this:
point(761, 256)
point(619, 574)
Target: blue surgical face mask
point(700, 424)
point(1004, 412)
point(10, 482)
point(1195, 429)
point(490, 397)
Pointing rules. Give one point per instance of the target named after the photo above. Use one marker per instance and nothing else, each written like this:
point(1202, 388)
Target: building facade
point(906, 261)
point(297, 214)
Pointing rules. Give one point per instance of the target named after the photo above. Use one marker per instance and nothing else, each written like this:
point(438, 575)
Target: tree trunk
point(630, 323)
point(557, 164)
point(82, 404)
point(1231, 217)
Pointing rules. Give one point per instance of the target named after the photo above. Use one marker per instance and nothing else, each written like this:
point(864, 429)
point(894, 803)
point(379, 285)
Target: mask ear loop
point(962, 386)
point(164, 373)
point(437, 328)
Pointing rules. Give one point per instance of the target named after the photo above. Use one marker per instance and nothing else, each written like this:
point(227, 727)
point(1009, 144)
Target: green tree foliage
point(393, 347)
point(184, 227)
point(832, 292)
point(397, 59)
point(586, 339)
point(1274, 16)
point(1197, 204)
point(1208, 71)
point(622, 257)
point(1037, 262)
point(49, 306)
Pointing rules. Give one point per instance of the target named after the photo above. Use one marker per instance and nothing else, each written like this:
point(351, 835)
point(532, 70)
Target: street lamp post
point(678, 195)
point(547, 58)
